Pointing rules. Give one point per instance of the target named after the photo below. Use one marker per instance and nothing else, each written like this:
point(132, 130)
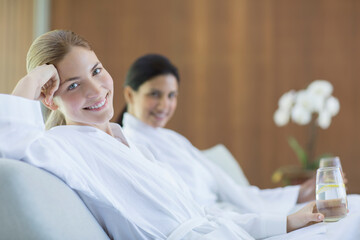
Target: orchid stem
point(311, 143)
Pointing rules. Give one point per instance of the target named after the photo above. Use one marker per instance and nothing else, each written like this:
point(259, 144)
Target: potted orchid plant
point(314, 106)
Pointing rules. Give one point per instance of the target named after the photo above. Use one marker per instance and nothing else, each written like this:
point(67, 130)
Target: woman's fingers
point(344, 178)
point(51, 84)
point(315, 217)
point(51, 88)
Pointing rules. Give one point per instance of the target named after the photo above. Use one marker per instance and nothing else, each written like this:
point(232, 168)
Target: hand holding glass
point(330, 193)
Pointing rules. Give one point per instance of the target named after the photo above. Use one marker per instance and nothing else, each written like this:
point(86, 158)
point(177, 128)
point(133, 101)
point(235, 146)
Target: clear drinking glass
point(330, 162)
point(330, 193)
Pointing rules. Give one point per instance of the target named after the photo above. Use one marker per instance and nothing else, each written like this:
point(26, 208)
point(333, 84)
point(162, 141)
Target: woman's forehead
point(77, 61)
point(162, 81)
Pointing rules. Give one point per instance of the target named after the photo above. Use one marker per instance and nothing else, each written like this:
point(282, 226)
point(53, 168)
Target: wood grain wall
point(236, 58)
point(16, 34)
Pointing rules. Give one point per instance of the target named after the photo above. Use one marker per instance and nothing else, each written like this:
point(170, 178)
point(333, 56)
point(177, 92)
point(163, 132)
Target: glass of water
point(330, 193)
point(330, 162)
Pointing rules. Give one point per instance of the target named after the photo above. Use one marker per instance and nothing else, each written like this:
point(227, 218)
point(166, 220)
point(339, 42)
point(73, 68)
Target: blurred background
point(235, 57)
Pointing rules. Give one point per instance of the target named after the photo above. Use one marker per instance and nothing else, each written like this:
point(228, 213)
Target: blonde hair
point(51, 48)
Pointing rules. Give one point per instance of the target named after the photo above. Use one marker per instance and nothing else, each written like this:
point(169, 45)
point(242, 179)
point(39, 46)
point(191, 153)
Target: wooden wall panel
point(236, 58)
point(16, 27)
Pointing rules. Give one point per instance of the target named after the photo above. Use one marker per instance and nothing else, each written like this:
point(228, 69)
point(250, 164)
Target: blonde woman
point(130, 195)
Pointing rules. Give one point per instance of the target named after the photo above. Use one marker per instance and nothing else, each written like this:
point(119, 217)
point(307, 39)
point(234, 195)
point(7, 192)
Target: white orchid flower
point(317, 102)
point(287, 100)
point(304, 99)
point(300, 106)
point(320, 87)
point(332, 105)
point(300, 115)
point(324, 119)
point(281, 117)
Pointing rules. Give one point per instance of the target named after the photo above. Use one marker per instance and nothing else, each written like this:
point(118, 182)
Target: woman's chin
point(158, 123)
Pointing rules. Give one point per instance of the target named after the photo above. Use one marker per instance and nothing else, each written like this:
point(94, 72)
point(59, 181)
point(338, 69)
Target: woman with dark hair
point(145, 68)
point(150, 90)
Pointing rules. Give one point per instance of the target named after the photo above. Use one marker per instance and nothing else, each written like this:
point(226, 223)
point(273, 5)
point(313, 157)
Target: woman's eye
point(96, 71)
point(72, 86)
point(173, 95)
point(155, 94)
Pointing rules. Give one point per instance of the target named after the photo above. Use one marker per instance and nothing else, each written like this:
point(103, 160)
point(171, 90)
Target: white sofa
point(36, 205)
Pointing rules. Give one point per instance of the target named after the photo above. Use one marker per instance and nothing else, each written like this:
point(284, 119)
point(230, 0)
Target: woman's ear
point(50, 105)
point(128, 94)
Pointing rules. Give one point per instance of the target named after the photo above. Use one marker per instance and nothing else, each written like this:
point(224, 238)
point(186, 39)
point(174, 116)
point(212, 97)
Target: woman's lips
point(159, 116)
point(98, 106)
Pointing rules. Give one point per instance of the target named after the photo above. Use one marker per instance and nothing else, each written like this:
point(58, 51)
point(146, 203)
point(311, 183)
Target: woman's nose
point(163, 103)
point(93, 89)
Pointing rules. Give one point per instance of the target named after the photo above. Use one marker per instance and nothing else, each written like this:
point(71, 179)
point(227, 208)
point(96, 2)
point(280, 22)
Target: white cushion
point(223, 158)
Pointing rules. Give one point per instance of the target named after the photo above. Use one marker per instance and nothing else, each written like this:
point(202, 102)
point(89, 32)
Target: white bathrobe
point(131, 196)
point(207, 182)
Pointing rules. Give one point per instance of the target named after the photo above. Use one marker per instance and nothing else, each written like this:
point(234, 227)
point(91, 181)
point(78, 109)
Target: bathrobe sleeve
point(21, 123)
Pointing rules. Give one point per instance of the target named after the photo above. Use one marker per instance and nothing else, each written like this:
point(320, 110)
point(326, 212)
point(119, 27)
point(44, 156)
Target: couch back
point(35, 204)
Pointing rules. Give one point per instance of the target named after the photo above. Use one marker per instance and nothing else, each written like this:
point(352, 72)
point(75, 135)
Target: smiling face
point(85, 95)
point(155, 101)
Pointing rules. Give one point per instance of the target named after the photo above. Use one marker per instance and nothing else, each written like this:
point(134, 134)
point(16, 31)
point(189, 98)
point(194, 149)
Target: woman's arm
point(20, 118)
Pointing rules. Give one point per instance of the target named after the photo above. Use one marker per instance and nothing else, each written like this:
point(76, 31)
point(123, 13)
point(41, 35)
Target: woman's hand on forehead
point(41, 83)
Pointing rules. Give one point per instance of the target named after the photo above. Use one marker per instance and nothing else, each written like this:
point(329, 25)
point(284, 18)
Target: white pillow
point(223, 158)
